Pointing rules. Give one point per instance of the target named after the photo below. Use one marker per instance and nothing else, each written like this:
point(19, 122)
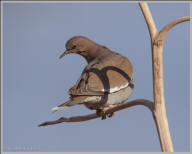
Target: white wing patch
point(59, 108)
point(115, 89)
point(93, 98)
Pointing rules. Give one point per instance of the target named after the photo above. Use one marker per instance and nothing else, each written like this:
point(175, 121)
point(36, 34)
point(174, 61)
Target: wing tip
point(54, 109)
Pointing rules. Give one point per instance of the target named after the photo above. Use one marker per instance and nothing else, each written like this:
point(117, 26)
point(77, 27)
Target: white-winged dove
point(106, 81)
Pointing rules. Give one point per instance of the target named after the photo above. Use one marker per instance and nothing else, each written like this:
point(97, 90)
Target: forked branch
point(157, 39)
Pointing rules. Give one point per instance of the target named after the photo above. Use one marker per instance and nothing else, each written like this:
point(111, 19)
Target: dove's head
point(84, 47)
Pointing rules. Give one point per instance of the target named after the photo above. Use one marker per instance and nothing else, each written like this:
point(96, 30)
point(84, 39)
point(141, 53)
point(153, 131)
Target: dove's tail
point(77, 100)
point(66, 105)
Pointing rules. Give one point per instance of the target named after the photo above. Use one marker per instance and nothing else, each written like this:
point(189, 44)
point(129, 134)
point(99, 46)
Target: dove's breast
point(101, 102)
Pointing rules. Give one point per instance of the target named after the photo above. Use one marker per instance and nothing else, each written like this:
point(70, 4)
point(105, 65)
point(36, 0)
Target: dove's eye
point(74, 47)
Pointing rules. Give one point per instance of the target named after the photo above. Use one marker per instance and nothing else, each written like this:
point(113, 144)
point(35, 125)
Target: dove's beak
point(65, 53)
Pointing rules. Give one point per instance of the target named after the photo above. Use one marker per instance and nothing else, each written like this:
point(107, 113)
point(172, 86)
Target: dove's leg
point(109, 107)
point(101, 113)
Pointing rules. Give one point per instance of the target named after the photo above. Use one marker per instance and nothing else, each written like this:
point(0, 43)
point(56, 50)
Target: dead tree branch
point(144, 102)
point(149, 19)
point(164, 31)
point(159, 112)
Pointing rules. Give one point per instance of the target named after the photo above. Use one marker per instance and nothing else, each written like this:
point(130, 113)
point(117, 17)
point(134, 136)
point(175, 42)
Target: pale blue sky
point(35, 79)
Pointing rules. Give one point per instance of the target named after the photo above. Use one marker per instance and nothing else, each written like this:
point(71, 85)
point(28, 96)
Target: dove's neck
point(95, 51)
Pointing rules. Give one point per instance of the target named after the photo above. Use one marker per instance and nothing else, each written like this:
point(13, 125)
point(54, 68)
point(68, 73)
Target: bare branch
point(144, 102)
point(159, 112)
point(71, 119)
point(158, 84)
point(164, 31)
point(149, 19)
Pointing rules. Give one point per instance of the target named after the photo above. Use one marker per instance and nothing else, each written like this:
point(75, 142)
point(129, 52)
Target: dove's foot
point(101, 113)
point(111, 114)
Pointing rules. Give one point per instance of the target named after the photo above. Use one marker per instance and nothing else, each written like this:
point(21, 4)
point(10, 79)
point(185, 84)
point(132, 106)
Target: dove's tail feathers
point(77, 100)
point(66, 105)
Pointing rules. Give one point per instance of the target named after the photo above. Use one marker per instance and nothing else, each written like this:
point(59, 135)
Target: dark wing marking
point(104, 75)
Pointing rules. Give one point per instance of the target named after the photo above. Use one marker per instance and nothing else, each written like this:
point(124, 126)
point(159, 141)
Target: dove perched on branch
point(106, 81)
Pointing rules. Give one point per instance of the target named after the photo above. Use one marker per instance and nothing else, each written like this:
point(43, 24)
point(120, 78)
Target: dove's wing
point(104, 75)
